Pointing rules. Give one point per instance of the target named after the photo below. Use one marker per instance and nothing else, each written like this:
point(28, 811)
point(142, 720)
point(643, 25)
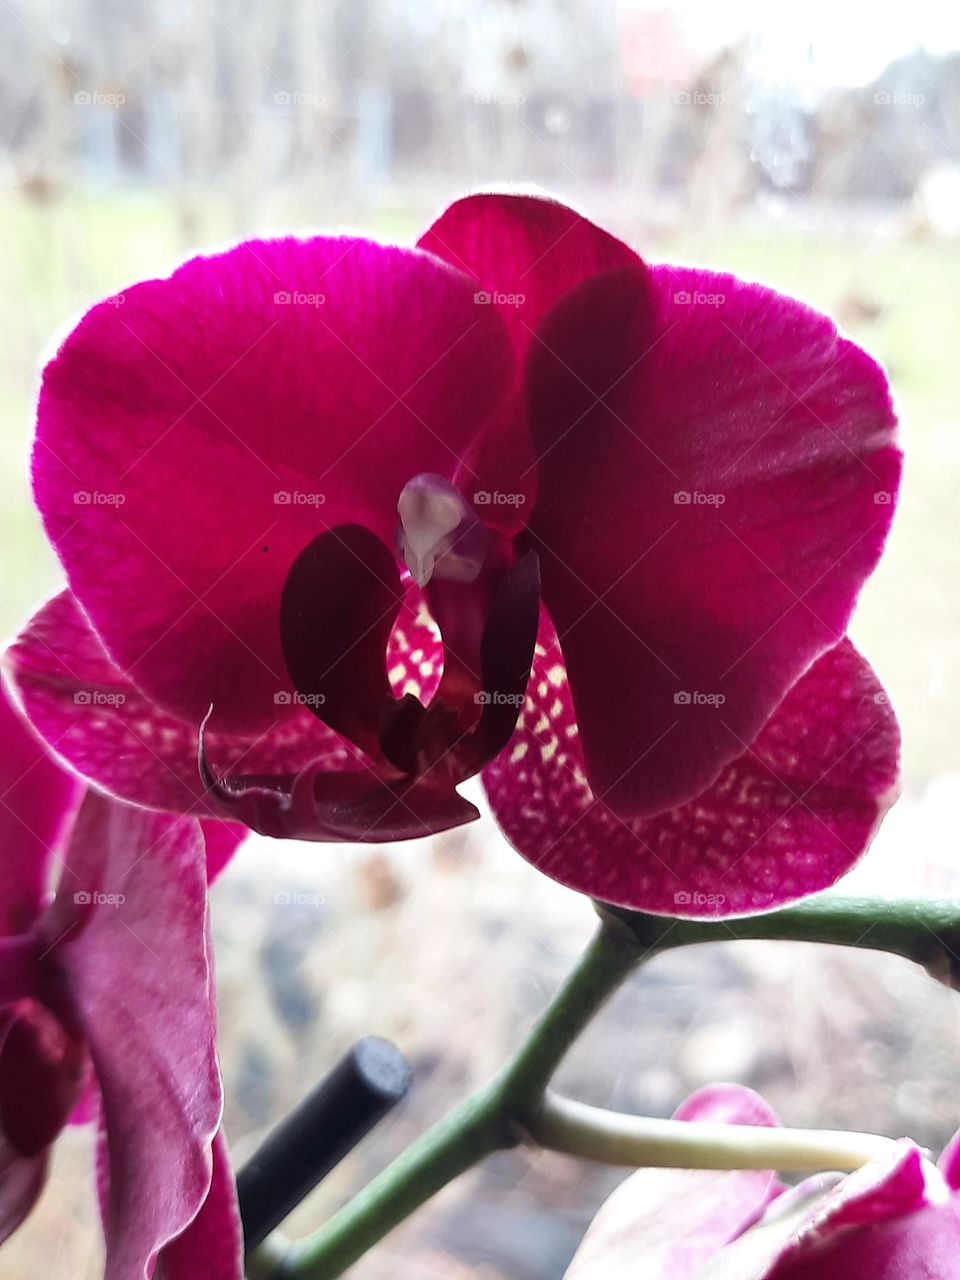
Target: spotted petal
point(787, 817)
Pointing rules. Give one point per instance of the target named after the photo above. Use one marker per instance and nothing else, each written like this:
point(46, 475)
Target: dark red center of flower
point(342, 598)
point(341, 601)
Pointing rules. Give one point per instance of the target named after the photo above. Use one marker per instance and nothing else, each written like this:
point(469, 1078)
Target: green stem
point(610, 958)
point(512, 1107)
point(493, 1119)
point(644, 1142)
point(927, 932)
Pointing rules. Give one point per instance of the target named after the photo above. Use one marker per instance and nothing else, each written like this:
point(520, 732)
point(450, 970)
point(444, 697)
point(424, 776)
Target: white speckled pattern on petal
point(785, 819)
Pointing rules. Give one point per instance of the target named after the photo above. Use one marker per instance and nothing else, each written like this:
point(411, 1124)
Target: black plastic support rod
point(364, 1085)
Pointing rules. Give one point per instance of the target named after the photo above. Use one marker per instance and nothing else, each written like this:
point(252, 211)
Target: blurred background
point(816, 149)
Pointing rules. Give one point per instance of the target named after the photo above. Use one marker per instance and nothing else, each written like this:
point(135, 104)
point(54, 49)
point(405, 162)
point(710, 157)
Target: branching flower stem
point(516, 1105)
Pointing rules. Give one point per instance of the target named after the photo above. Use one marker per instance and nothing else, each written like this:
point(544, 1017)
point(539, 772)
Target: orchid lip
point(340, 602)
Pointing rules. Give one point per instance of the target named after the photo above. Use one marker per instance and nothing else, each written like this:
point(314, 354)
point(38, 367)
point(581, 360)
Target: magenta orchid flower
point(897, 1217)
point(107, 1007)
point(333, 500)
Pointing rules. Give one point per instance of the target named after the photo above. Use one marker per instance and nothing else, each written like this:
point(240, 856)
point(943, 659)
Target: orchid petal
point(43, 1071)
point(889, 1219)
point(949, 1163)
point(786, 818)
point(102, 726)
point(211, 1248)
point(130, 933)
point(525, 253)
point(221, 841)
point(717, 473)
point(36, 800)
point(506, 658)
point(665, 1224)
point(352, 805)
point(922, 1246)
point(340, 601)
point(194, 440)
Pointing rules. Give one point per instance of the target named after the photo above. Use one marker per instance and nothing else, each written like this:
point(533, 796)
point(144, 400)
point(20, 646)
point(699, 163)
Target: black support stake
point(360, 1090)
